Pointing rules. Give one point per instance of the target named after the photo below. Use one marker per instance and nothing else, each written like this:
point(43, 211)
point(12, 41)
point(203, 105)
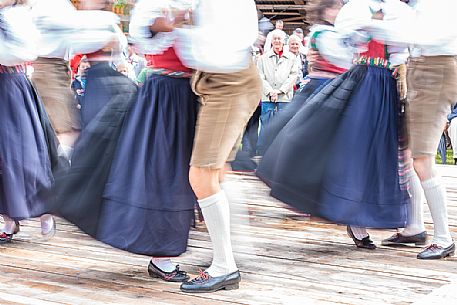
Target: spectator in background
point(123, 69)
point(268, 42)
point(78, 85)
point(136, 63)
point(452, 130)
point(295, 43)
point(278, 71)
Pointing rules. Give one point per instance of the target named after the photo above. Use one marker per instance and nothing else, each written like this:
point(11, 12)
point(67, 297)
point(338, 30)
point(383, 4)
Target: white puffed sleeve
point(18, 36)
point(143, 16)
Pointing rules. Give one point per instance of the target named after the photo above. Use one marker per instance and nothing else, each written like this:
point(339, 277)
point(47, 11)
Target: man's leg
point(215, 208)
point(430, 102)
point(435, 193)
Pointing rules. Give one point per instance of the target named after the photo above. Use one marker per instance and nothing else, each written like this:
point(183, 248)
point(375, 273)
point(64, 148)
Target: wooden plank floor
point(285, 258)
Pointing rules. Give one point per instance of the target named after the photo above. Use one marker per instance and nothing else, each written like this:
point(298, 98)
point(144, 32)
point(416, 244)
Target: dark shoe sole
point(171, 280)
point(223, 287)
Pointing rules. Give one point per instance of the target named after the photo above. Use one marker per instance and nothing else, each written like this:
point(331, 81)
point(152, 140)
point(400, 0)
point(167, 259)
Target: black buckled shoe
point(401, 240)
point(365, 243)
point(436, 252)
point(173, 276)
point(206, 283)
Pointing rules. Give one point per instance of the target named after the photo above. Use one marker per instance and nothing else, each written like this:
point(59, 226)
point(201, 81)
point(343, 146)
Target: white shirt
point(430, 26)
point(65, 30)
point(218, 43)
point(355, 21)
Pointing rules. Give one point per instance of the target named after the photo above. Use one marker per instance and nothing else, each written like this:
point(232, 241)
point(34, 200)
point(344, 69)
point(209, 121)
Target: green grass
point(449, 158)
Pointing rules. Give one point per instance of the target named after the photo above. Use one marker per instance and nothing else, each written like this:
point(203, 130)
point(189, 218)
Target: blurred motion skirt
point(337, 158)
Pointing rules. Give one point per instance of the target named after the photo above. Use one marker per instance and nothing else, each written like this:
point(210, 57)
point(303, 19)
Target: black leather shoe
point(365, 243)
point(206, 283)
point(436, 252)
point(173, 276)
point(401, 240)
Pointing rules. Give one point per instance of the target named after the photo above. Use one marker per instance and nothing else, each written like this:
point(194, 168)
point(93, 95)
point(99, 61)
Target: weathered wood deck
point(285, 258)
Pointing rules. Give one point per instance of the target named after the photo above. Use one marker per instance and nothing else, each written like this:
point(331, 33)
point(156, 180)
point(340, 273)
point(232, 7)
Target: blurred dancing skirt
point(25, 166)
point(148, 202)
point(277, 123)
point(79, 190)
point(139, 198)
point(52, 80)
point(337, 158)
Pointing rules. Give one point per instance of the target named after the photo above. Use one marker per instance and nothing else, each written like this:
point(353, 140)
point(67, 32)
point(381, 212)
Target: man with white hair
point(278, 70)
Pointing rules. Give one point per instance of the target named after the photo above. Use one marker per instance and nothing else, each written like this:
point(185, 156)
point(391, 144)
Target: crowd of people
point(350, 118)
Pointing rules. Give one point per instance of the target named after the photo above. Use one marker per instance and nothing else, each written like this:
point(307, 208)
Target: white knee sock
point(47, 223)
point(416, 208)
point(359, 233)
point(9, 225)
point(216, 211)
point(239, 214)
point(163, 263)
point(65, 151)
point(435, 193)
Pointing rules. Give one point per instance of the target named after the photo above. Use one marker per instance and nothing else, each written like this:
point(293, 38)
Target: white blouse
point(430, 26)
point(18, 36)
point(144, 15)
point(66, 31)
point(355, 20)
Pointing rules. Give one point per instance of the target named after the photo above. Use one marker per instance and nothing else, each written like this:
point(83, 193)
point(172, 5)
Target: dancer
point(337, 158)
point(51, 78)
point(28, 149)
point(432, 75)
point(229, 89)
point(141, 200)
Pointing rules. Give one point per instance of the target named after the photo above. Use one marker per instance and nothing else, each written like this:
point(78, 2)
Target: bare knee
point(204, 181)
point(423, 166)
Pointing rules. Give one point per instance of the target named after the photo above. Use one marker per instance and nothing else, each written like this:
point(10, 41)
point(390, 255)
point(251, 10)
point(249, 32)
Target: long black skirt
point(25, 157)
point(337, 158)
point(142, 201)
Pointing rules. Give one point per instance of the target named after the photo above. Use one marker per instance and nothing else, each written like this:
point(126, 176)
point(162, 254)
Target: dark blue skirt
point(25, 166)
point(148, 204)
point(337, 158)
